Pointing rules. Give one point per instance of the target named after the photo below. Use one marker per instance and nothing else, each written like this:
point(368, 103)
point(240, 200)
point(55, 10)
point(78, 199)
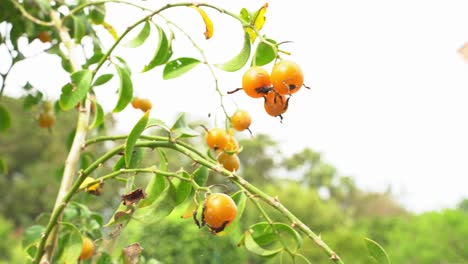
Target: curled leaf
point(141, 37)
point(163, 51)
point(208, 22)
point(111, 30)
point(240, 59)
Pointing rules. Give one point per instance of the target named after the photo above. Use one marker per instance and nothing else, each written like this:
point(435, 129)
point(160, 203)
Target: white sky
point(388, 98)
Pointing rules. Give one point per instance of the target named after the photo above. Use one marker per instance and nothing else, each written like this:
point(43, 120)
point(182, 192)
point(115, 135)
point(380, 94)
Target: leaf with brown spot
point(131, 253)
point(208, 23)
point(133, 197)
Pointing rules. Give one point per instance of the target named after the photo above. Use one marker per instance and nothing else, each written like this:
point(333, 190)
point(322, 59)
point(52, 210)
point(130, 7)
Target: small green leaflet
point(157, 183)
point(3, 167)
point(133, 137)
point(183, 189)
point(103, 79)
point(98, 14)
point(177, 67)
point(264, 53)
point(72, 243)
point(180, 129)
point(163, 51)
point(79, 27)
point(240, 59)
point(125, 90)
point(141, 37)
point(74, 92)
point(98, 117)
point(377, 252)
point(5, 119)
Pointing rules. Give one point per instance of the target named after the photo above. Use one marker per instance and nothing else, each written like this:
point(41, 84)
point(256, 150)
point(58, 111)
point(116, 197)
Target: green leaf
point(98, 117)
point(141, 37)
point(44, 5)
point(98, 14)
point(79, 28)
point(133, 137)
point(245, 15)
point(72, 244)
point(264, 53)
point(157, 183)
point(104, 258)
point(251, 245)
point(29, 101)
point(5, 119)
point(3, 167)
point(74, 92)
point(180, 129)
point(103, 79)
point(32, 235)
point(377, 252)
point(201, 175)
point(153, 122)
point(155, 187)
point(183, 189)
point(177, 67)
point(240, 199)
point(125, 90)
point(265, 235)
point(163, 51)
point(240, 59)
point(159, 209)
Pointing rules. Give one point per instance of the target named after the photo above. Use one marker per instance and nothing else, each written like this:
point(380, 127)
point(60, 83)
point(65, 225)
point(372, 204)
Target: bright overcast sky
point(388, 104)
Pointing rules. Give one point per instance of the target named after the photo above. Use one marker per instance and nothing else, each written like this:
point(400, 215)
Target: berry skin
point(44, 37)
point(145, 105)
point(216, 138)
point(87, 250)
point(241, 120)
point(287, 77)
point(219, 210)
point(275, 104)
point(256, 82)
point(229, 161)
point(142, 103)
point(46, 119)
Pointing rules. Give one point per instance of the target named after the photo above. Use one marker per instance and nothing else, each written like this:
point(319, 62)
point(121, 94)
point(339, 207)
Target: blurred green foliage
point(331, 204)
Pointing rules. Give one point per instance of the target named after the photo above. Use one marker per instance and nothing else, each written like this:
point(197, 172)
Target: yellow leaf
point(208, 22)
point(257, 21)
point(464, 51)
point(111, 30)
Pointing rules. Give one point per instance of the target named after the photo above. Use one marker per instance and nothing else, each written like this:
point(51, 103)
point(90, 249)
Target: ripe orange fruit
point(241, 120)
point(219, 211)
point(216, 138)
point(229, 161)
point(256, 82)
point(287, 77)
point(87, 250)
point(275, 104)
point(46, 119)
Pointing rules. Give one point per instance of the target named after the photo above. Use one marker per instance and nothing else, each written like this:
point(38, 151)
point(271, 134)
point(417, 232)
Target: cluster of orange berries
point(143, 104)
point(224, 143)
point(285, 79)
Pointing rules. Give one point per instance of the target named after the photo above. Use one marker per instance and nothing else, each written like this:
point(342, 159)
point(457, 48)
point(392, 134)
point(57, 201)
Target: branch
point(31, 17)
